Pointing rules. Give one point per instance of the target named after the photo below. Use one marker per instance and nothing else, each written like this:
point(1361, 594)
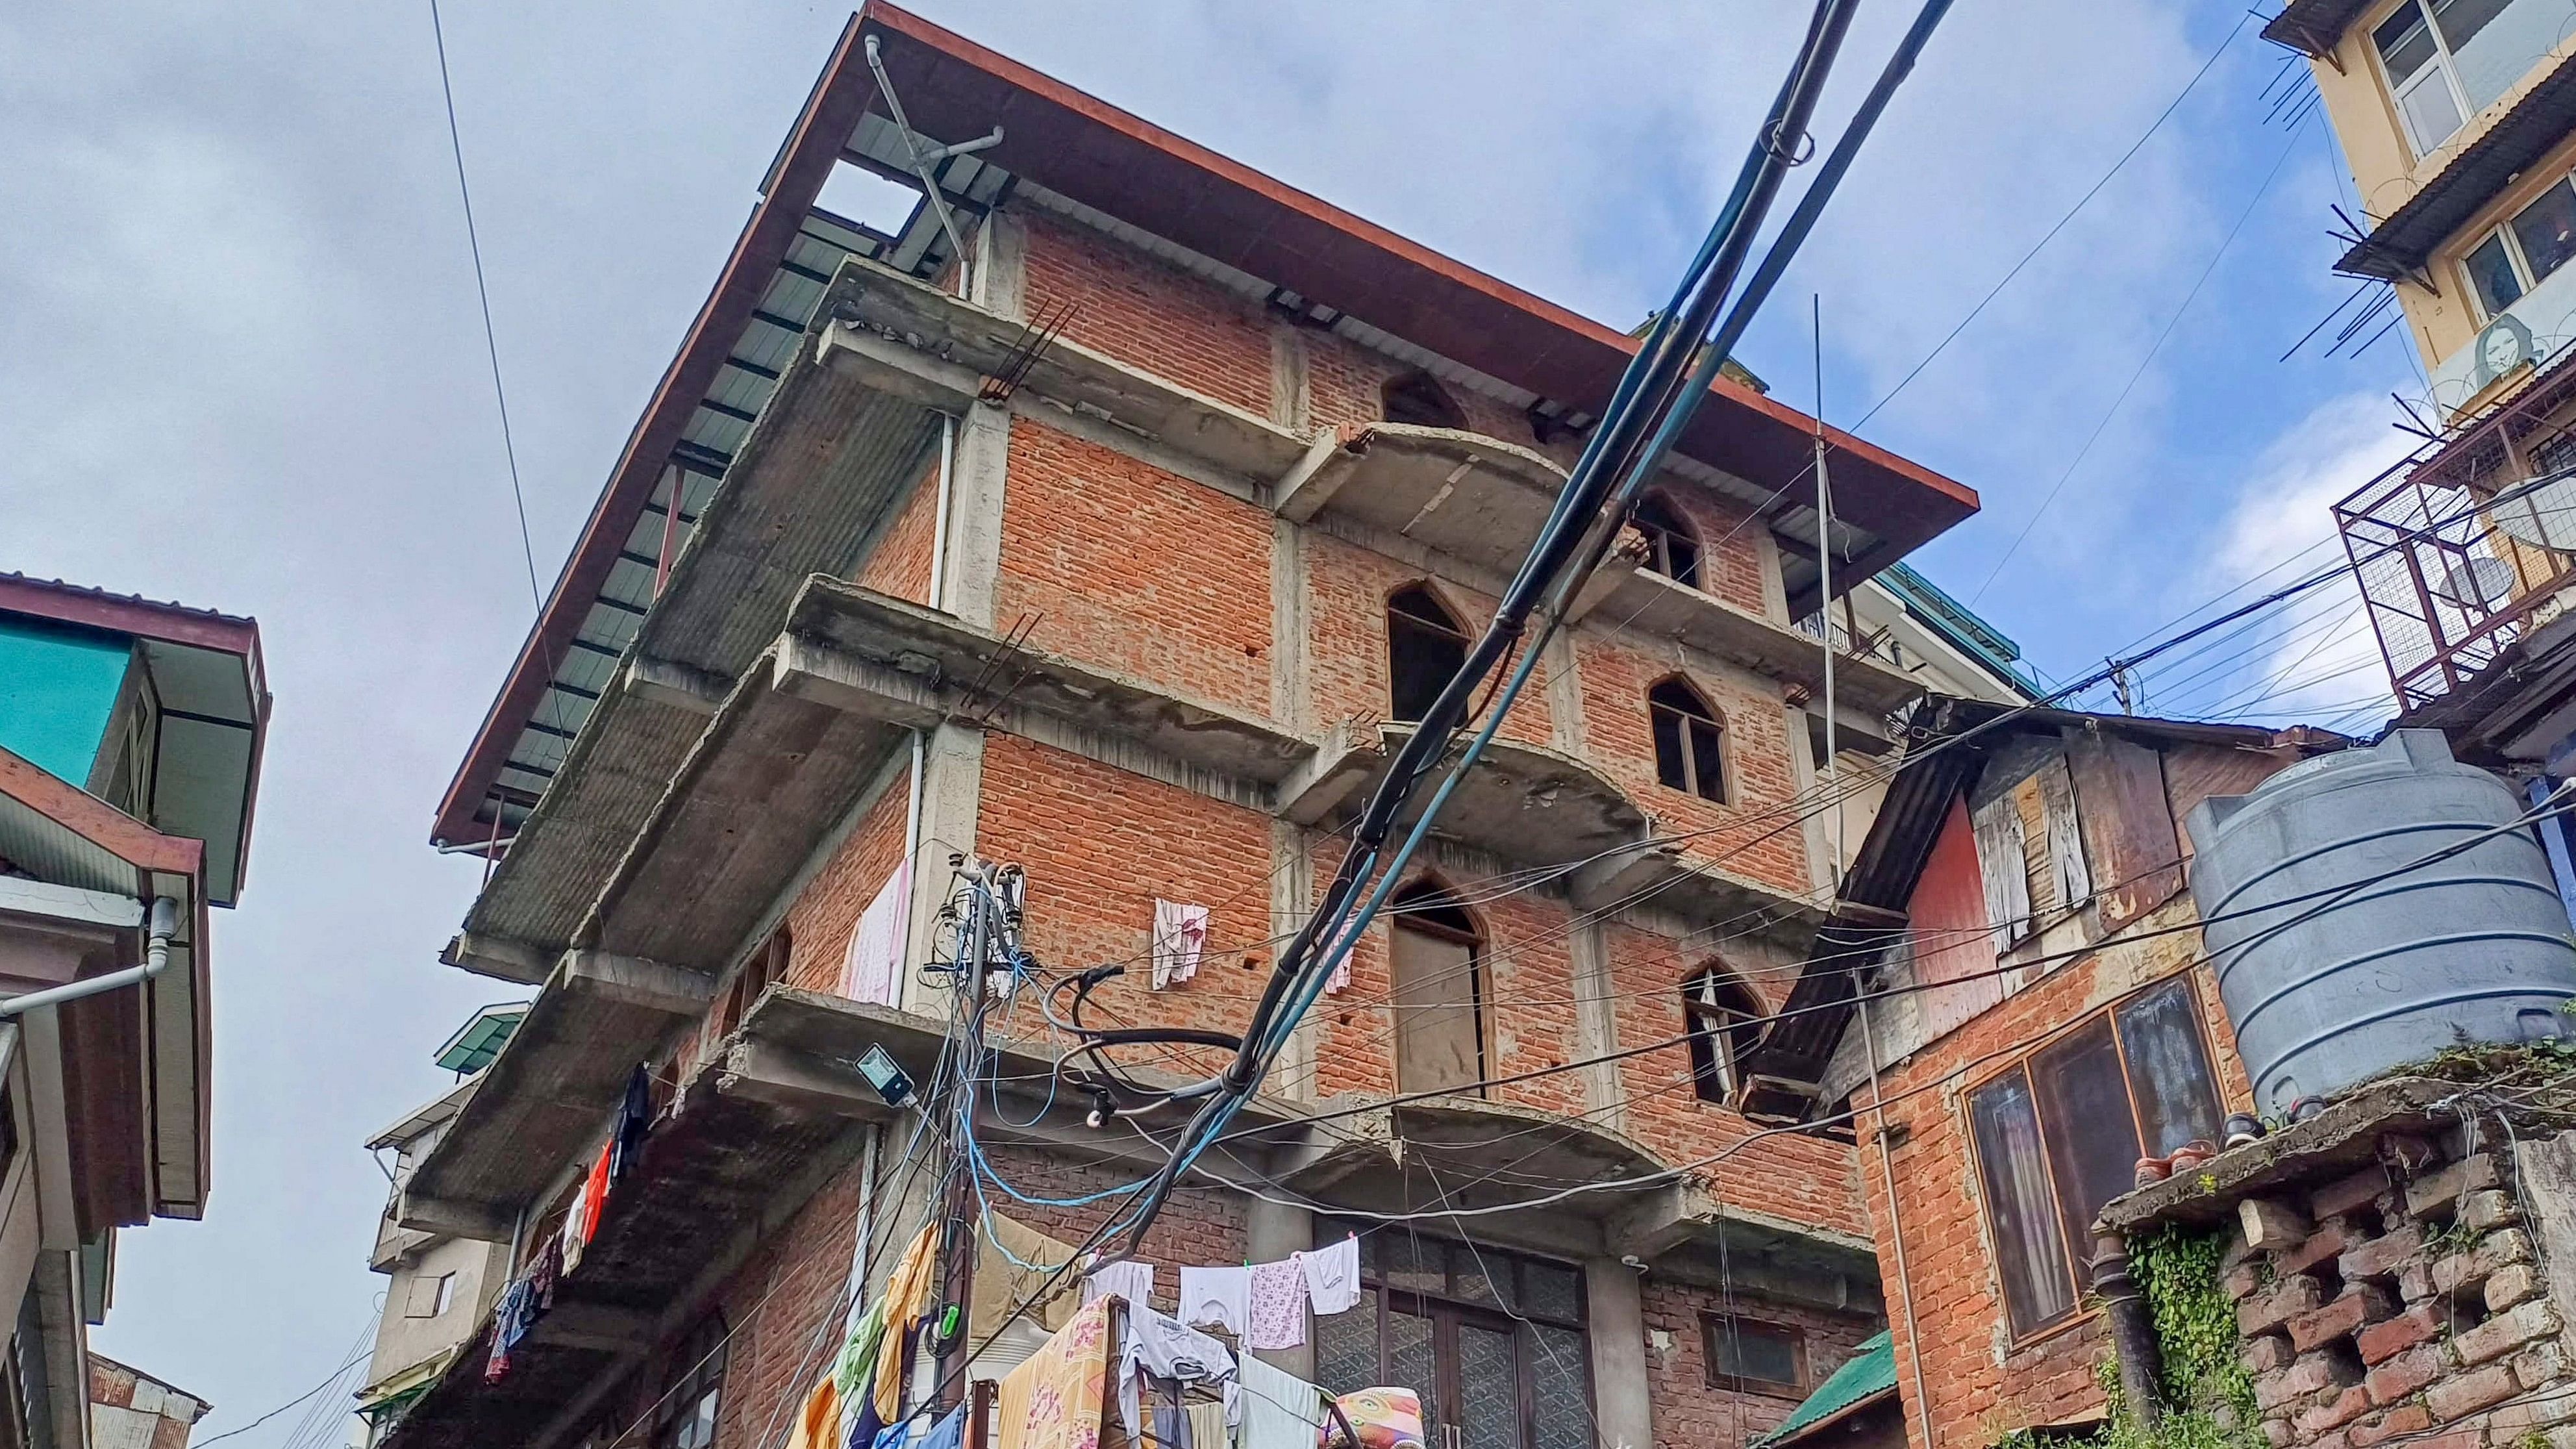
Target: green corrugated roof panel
point(480, 1040)
point(1871, 1370)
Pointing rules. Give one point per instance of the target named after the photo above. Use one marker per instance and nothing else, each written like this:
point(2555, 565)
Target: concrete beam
point(891, 367)
point(765, 1072)
point(1305, 489)
point(499, 957)
point(674, 991)
point(681, 686)
point(826, 676)
point(1349, 754)
point(474, 1221)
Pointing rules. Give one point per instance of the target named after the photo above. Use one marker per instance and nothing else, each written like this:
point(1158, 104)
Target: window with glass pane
point(2417, 79)
point(2494, 43)
point(2547, 231)
point(2491, 272)
point(1744, 1353)
point(1493, 1341)
point(696, 1376)
point(2060, 1135)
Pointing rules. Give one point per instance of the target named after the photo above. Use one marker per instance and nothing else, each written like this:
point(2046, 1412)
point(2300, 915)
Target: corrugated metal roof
point(1868, 1373)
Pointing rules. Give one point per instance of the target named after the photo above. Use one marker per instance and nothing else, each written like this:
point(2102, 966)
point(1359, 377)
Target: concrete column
point(1291, 692)
point(1617, 1314)
point(1824, 873)
point(952, 784)
point(1564, 696)
point(971, 575)
point(999, 283)
point(1292, 900)
point(1775, 591)
point(1596, 1022)
point(1290, 396)
point(1271, 1232)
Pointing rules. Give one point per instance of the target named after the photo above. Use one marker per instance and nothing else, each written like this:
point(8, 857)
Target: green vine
point(2208, 1392)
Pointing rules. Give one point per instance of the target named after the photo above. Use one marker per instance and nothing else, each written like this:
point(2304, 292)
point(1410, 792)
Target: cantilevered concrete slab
point(831, 456)
point(1647, 602)
point(928, 322)
point(1522, 802)
point(882, 657)
point(547, 1093)
point(1473, 497)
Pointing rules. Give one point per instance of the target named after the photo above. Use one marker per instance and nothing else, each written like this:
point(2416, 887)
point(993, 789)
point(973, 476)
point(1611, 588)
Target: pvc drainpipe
point(1895, 1225)
point(156, 959)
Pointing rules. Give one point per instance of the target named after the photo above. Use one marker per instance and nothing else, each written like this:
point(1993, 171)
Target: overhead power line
point(483, 294)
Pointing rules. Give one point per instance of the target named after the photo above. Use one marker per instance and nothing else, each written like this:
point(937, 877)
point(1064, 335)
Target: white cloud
point(2313, 657)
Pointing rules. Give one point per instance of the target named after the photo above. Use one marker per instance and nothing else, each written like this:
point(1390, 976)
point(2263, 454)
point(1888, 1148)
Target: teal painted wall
point(57, 688)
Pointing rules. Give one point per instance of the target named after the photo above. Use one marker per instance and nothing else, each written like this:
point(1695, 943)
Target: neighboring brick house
point(1120, 549)
point(2039, 1019)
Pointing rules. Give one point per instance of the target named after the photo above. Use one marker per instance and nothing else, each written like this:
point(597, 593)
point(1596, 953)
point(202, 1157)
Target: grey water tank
point(2330, 981)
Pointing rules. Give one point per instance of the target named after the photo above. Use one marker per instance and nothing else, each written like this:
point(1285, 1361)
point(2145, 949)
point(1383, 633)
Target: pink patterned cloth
point(1278, 1305)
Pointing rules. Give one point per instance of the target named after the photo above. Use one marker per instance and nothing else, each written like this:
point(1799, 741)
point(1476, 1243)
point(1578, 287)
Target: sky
point(245, 369)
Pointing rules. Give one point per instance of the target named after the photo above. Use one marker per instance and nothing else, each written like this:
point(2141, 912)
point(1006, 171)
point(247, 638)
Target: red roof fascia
point(111, 829)
point(129, 614)
point(1084, 148)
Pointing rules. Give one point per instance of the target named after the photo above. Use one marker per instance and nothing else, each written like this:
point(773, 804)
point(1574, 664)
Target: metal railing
point(2453, 563)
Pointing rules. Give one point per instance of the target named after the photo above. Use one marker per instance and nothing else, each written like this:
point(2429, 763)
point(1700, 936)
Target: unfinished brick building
point(1109, 516)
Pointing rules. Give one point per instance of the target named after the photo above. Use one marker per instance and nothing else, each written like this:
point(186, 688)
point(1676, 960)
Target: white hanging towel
point(1126, 1278)
point(1280, 1410)
point(1341, 978)
point(1180, 936)
point(1333, 1277)
point(872, 969)
point(1278, 1305)
point(1217, 1298)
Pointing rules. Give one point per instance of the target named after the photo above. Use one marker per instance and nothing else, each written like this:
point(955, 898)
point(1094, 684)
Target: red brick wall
point(1135, 569)
point(1200, 1224)
point(1149, 314)
point(1100, 846)
point(1755, 834)
point(900, 563)
point(785, 1309)
point(1346, 662)
point(819, 924)
point(1692, 1414)
point(1983, 1384)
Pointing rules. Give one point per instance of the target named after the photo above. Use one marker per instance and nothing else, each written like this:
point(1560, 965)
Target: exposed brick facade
point(1691, 1411)
point(1984, 1382)
point(1133, 569)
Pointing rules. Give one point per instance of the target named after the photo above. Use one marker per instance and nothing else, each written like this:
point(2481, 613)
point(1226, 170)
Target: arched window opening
point(1418, 398)
point(1438, 993)
point(1425, 648)
point(1725, 1024)
point(1671, 548)
point(1690, 741)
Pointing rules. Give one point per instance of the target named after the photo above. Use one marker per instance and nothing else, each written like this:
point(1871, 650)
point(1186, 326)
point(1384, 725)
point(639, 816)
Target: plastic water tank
point(2341, 951)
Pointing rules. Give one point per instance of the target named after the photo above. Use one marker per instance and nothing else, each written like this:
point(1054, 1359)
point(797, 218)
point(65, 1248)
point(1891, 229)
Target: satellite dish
point(2546, 515)
point(2477, 582)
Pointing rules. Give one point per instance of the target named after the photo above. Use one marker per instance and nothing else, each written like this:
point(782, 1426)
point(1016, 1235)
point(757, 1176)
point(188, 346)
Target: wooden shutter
point(2065, 834)
point(2128, 828)
point(2004, 868)
point(1438, 1040)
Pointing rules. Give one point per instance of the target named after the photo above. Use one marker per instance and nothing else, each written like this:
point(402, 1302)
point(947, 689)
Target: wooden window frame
point(1713, 1324)
point(1673, 547)
point(1450, 626)
point(1380, 1300)
point(2075, 1253)
point(1693, 781)
point(1431, 889)
point(1712, 1024)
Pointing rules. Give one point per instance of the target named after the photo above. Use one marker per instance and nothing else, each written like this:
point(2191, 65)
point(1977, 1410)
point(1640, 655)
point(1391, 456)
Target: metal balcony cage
point(2455, 552)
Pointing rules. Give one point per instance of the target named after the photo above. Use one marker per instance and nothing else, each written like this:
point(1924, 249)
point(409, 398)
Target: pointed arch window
point(1725, 1023)
point(1437, 988)
point(1672, 549)
point(1690, 741)
point(1418, 398)
point(1425, 648)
